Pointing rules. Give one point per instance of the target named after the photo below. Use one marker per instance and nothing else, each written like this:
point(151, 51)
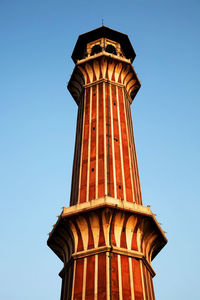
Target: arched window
point(96, 49)
point(111, 49)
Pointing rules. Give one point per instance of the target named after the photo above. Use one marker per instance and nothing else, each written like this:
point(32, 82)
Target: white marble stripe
point(128, 143)
point(134, 166)
point(78, 152)
point(150, 286)
point(137, 176)
point(89, 146)
point(152, 290)
point(113, 146)
point(132, 152)
point(97, 138)
point(120, 143)
point(96, 278)
point(137, 173)
point(120, 277)
point(73, 282)
point(84, 278)
point(80, 168)
point(76, 167)
point(135, 160)
point(131, 278)
point(142, 276)
point(104, 127)
point(108, 279)
point(146, 280)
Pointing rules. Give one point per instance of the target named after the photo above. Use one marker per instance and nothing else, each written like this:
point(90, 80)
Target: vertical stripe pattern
point(106, 238)
point(105, 157)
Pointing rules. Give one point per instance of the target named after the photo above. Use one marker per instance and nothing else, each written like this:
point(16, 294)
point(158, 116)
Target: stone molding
point(103, 66)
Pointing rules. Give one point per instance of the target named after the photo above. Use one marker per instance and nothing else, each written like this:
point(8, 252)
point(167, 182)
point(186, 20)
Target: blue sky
point(37, 133)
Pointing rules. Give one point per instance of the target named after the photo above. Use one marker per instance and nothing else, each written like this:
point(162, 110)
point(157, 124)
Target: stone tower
point(106, 238)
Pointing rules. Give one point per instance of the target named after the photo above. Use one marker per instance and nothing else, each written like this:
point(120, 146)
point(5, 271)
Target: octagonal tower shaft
point(106, 238)
point(105, 160)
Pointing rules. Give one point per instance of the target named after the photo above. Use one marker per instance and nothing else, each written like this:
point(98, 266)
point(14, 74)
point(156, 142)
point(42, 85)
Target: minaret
point(106, 238)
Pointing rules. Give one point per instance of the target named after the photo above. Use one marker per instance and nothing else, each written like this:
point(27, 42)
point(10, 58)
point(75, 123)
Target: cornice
point(103, 66)
point(110, 202)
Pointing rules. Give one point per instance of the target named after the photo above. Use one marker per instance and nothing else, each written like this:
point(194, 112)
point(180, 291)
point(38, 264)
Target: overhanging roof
point(100, 32)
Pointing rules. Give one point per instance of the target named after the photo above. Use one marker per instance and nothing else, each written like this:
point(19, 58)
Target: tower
point(106, 238)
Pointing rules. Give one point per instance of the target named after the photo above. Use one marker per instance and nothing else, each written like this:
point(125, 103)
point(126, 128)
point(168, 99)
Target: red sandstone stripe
point(126, 163)
point(101, 234)
point(152, 289)
point(92, 178)
point(102, 276)
point(137, 280)
point(135, 161)
point(114, 277)
point(89, 147)
point(117, 146)
point(123, 243)
point(113, 142)
point(73, 280)
point(68, 283)
point(77, 155)
point(89, 294)
point(97, 140)
point(105, 141)
point(149, 284)
point(81, 146)
point(132, 149)
point(119, 79)
point(126, 289)
point(90, 235)
point(110, 181)
point(112, 235)
point(146, 283)
point(78, 284)
point(101, 180)
point(130, 189)
point(120, 144)
point(85, 149)
point(135, 166)
point(127, 108)
point(134, 245)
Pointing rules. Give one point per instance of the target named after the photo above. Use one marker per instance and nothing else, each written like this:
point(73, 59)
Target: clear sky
point(37, 133)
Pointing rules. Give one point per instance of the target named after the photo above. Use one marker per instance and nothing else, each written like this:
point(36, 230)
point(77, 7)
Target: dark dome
point(100, 32)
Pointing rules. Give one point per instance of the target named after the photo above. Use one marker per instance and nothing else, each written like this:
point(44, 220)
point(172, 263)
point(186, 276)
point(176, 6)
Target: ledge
point(115, 250)
point(108, 202)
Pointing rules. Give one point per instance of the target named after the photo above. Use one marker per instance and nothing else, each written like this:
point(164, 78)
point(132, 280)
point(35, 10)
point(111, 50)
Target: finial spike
point(102, 22)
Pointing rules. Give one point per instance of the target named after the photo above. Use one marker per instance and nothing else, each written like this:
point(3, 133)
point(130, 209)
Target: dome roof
point(100, 32)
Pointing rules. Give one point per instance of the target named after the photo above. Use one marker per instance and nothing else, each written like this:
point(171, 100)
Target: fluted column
point(105, 160)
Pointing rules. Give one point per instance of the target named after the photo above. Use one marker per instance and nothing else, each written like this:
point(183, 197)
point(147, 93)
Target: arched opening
point(111, 49)
point(96, 49)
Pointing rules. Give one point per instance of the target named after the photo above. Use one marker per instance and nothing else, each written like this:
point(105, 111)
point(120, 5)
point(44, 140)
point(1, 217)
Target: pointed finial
point(102, 22)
